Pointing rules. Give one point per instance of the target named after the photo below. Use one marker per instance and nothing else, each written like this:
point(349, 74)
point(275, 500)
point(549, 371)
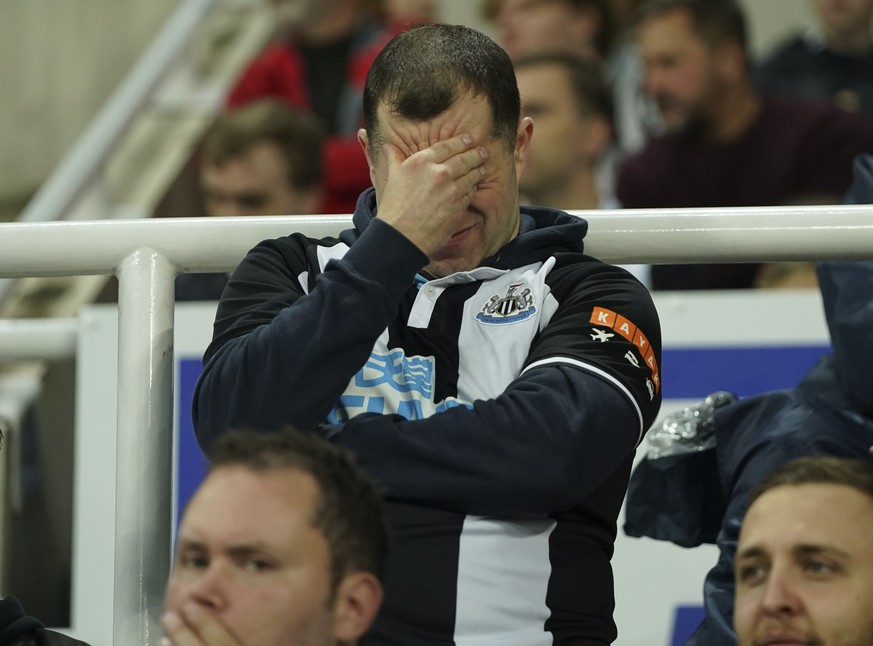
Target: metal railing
point(84, 163)
point(146, 255)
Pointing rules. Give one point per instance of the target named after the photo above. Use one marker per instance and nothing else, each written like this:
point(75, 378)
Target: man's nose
point(780, 594)
point(209, 588)
point(651, 80)
point(225, 208)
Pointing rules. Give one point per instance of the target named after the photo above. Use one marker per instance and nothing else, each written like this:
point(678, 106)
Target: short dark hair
point(349, 512)
point(299, 136)
point(588, 84)
point(715, 21)
point(422, 72)
point(819, 469)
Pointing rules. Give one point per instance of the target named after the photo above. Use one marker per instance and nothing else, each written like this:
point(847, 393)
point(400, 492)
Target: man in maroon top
point(723, 143)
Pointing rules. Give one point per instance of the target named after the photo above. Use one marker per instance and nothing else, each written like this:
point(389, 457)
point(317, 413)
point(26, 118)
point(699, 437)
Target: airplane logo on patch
point(601, 335)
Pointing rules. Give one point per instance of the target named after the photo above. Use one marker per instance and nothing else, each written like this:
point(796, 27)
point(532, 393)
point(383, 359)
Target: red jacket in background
point(278, 72)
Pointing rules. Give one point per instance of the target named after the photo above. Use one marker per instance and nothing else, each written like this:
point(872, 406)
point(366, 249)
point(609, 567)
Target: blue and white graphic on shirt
point(392, 383)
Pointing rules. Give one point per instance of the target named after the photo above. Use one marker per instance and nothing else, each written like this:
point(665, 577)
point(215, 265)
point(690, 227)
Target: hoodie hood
point(542, 232)
point(13, 622)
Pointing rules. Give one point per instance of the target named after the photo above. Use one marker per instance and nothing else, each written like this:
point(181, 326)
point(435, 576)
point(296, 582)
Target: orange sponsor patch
point(626, 328)
point(602, 316)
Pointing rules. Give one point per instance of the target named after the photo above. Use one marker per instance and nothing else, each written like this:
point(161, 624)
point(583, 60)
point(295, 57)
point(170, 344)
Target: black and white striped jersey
point(499, 408)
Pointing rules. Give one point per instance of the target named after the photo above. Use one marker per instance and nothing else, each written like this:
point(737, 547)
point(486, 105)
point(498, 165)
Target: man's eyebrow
point(803, 549)
point(810, 549)
point(237, 551)
point(754, 551)
point(189, 544)
point(248, 549)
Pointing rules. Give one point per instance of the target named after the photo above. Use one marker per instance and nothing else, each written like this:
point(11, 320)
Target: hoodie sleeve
point(285, 345)
point(847, 293)
point(542, 446)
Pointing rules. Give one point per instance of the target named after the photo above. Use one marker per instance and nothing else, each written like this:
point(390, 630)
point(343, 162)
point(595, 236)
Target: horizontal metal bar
point(627, 236)
point(38, 339)
point(99, 246)
point(746, 234)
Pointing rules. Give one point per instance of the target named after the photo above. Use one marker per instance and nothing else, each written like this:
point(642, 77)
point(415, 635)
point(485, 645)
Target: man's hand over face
point(194, 627)
point(427, 194)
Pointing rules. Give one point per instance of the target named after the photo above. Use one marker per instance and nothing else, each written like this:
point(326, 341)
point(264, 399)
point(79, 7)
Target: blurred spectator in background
point(833, 62)
point(594, 29)
point(583, 27)
point(318, 63)
point(725, 144)
point(570, 162)
point(636, 117)
point(263, 159)
point(403, 14)
point(571, 105)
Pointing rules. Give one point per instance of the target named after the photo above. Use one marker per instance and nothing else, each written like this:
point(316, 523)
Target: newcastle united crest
point(514, 306)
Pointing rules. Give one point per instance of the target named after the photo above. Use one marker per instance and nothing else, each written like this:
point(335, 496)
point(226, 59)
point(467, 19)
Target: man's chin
point(673, 122)
point(447, 266)
point(685, 128)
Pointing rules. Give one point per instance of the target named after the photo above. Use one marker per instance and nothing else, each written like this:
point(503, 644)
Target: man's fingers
point(470, 162)
point(176, 633)
point(393, 156)
point(459, 165)
point(459, 151)
point(195, 627)
point(211, 631)
point(442, 151)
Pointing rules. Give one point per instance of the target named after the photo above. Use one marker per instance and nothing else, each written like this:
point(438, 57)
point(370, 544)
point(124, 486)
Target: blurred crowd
point(656, 104)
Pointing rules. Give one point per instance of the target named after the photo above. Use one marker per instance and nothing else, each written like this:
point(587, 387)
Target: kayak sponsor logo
point(602, 317)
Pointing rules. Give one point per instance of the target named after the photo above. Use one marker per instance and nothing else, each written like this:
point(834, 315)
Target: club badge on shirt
point(514, 306)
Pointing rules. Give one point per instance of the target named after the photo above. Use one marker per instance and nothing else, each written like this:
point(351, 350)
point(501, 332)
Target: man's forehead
point(675, 21)
point(809, 514)
point(467, 115)
point(275, 501)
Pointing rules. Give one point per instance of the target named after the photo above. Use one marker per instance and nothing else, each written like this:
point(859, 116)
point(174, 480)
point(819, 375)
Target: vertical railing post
point(143, 504)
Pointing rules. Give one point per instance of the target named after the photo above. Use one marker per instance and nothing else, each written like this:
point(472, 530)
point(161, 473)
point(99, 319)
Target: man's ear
point(358, 598)
point(312, 199)
point(522, 144)
point(731, 61)
point(598, 137)
point(364, 140)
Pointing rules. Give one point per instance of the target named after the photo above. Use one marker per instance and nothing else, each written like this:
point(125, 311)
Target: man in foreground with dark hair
point(283, 543)
point(493, 378)
point(804, 564)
